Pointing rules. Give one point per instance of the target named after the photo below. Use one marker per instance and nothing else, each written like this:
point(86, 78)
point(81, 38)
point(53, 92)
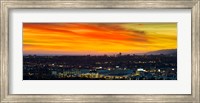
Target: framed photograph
point(100, 51)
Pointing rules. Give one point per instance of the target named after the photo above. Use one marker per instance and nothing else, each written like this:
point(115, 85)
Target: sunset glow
point(97, 38)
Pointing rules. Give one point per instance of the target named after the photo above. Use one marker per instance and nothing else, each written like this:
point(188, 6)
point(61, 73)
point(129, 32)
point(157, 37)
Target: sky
point(97, 38)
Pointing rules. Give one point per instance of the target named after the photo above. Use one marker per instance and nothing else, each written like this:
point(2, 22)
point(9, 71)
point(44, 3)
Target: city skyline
point(166, 51)
point(97, 38)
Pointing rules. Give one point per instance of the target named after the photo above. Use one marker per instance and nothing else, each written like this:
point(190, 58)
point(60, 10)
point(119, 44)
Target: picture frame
point(7, 5)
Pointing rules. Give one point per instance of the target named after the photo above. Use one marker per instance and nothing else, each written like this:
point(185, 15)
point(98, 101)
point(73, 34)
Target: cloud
point(98, 38)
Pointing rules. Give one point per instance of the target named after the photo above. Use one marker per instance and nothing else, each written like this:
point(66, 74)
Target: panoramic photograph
point(100, 51)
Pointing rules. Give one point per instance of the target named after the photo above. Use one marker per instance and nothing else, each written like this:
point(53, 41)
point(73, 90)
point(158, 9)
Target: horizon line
point(120, 53)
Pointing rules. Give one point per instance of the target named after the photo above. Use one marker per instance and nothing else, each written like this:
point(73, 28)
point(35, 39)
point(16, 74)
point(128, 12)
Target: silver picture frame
point(7, 5)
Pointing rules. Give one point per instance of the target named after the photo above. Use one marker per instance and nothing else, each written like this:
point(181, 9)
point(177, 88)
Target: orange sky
point(97, 38)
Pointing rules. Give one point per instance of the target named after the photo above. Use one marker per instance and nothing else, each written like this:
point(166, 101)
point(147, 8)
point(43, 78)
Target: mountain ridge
point(164, 51)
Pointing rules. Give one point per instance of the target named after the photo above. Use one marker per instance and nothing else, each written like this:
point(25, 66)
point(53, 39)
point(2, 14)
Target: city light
point(100, 67)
